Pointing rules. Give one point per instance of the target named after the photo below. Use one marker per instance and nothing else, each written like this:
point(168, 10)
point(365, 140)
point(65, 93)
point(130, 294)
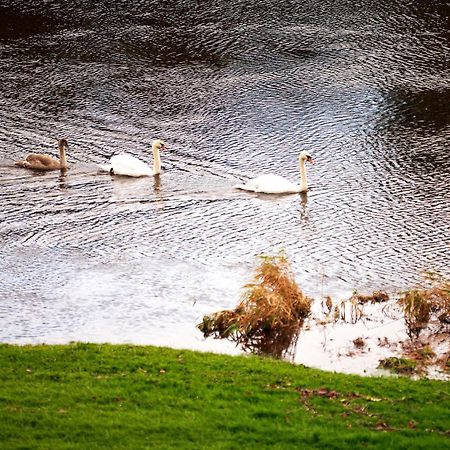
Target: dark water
point(237, 89)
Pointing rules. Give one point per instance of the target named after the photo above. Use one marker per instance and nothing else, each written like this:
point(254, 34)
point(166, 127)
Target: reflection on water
point(237, 90)
point(303, 206)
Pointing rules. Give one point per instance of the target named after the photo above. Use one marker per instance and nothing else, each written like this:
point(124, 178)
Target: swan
point(42, 161)
point(128, 165)
point(274, 184)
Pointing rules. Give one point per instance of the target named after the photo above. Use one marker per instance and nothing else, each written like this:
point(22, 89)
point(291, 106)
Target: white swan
point(274, 184)
point(128, 165)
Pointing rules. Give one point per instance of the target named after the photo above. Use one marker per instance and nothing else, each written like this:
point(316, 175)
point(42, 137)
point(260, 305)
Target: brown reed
point(270, 315)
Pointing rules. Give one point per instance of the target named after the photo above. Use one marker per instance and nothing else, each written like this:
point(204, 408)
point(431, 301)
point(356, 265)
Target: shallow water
point(236, 90)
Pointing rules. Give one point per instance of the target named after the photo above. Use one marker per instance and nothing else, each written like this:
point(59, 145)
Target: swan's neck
point(156, 161)
point(62, 158)
point(303, 177)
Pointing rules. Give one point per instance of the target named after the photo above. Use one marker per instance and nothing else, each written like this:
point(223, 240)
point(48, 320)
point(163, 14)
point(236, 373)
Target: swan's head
point(158, 144)
point(305, 156)
point(62, 143)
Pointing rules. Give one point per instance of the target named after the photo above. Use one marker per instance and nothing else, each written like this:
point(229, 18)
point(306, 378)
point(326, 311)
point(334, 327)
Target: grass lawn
point(87, 396)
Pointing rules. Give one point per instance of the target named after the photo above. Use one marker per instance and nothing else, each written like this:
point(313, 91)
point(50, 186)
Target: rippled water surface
point(236, 89)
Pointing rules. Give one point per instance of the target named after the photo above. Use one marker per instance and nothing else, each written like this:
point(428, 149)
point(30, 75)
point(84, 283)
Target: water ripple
point(237, 90)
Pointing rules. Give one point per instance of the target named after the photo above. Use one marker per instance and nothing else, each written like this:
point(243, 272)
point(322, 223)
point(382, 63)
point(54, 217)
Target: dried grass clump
point(416, 312)
point(424, 308)
point(359, 342)
point(270, 315)
point(444, 362)
point(352, 310)
point(375, 297)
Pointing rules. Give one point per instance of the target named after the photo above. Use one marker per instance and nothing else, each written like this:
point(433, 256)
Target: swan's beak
point(310, 160)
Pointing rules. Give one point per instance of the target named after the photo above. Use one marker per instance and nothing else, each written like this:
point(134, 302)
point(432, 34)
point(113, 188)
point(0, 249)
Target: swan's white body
point(270, 184)
point(275, 184)
point(128, 165)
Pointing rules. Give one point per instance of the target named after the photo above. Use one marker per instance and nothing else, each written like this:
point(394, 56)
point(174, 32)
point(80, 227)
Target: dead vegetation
point(427, 308)
point(426, 314)
point(273, 310)
point(270, 315)
point(403, 366)
point(375, 297)
point(359, 343)
point(424, 353)
point(444, 362)
point(350, 310)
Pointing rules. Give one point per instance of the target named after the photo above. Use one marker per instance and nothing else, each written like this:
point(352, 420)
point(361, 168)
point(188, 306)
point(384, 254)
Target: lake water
point(236, 89)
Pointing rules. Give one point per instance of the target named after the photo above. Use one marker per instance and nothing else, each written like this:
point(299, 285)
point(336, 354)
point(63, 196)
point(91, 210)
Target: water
point(236, 90)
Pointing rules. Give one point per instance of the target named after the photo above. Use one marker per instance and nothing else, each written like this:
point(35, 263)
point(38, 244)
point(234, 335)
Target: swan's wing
point(270, 184)
point(40, 161)
point(125, 164)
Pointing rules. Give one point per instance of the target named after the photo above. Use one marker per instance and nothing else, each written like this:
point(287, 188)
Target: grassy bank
point(104, 396)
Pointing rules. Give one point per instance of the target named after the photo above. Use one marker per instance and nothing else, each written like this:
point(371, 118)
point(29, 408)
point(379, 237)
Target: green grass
point(85, 396)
